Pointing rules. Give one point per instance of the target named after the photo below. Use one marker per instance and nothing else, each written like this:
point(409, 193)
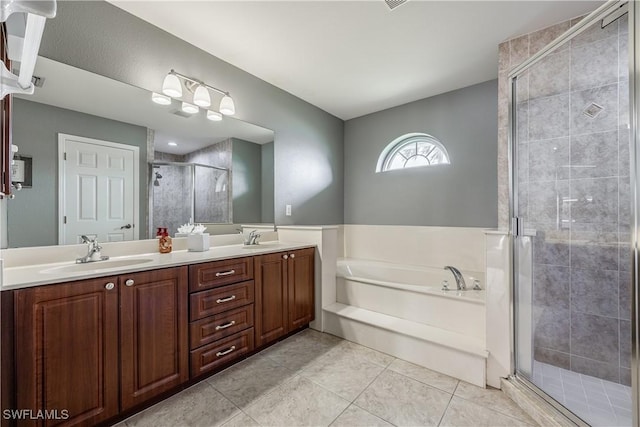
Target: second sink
point(96, 266)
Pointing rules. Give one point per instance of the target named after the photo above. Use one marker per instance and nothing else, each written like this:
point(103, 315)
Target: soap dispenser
point(164, 243)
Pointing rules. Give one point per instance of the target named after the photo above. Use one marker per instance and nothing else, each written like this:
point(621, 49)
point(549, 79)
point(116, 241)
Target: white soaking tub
point(401, 310)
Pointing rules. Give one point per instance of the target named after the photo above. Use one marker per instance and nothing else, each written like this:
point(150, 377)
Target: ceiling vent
point(394, 3)
point(182, 114)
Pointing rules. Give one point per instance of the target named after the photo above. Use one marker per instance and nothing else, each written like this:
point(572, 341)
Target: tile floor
point(599, 402)
point(316, 379)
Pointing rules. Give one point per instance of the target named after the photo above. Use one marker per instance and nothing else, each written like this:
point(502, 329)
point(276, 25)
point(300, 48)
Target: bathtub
point(413, 293)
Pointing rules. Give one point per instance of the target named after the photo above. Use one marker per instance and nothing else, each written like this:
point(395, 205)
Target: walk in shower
point(573, 226)
point(188, 192)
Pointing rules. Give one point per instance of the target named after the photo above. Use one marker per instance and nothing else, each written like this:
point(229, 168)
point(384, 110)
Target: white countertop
point(45, 274)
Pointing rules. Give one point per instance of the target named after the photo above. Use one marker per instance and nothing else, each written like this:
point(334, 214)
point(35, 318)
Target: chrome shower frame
point(515, 226)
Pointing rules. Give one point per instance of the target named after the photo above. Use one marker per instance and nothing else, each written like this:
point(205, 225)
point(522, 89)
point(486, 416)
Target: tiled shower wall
point(172, 199)
point(574, 191)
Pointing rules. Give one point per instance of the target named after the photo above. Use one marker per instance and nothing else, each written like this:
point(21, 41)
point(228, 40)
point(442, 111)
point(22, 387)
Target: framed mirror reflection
point(187, 168)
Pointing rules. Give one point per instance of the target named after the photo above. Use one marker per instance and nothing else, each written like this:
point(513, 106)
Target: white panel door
point(98, 190)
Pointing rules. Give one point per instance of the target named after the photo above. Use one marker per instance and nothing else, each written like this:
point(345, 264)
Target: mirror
point(217, 173)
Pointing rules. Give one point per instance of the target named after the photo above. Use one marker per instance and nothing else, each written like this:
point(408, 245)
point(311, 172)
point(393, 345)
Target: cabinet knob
point(292, 256)
point(129, 282)
point(109, 286)
point(285, 256)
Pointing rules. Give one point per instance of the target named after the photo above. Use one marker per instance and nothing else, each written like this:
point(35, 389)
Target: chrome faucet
point(252, 238)
point(458, 276)
point(93, 251)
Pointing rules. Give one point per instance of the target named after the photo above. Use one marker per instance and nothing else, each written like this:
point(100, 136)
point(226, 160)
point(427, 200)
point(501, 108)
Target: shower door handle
point(128, 226)
point(517, 227)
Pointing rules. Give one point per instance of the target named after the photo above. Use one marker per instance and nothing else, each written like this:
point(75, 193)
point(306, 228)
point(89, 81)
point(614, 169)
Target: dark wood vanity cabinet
point(154, 336)
point(300, 292)
point(221, 313)
point(91, 349)
point(284, 293)
point(72, 337)
point(67, 350)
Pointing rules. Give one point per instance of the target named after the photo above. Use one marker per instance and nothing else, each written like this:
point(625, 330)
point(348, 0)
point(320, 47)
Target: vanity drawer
point(220, 273)
point(220, 325)
point(215, 301)
point(221, 352)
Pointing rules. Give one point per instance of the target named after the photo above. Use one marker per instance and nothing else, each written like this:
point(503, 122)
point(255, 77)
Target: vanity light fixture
point(172, 86)
point(214, 116)
point(174, 81)
point(189, 108)
point(227, 107)
point(201, 97)
point(161, 99)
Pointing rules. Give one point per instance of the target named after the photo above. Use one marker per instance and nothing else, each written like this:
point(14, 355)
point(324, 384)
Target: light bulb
point(159, 98)
point(226, 106)
point(172, 86)
point(214, 116)
point(201, 97)
point(189, 108)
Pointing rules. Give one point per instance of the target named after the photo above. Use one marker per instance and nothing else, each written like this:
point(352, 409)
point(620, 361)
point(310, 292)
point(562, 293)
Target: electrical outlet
point(287, 210)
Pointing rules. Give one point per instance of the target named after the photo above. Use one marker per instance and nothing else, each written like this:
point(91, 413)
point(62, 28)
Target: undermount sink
point(97, 266)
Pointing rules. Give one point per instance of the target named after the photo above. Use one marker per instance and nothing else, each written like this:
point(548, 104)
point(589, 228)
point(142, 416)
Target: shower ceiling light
point(173, 144)
point(189, 108)
point(214, 116)
point(172, 86)
point(161, 99)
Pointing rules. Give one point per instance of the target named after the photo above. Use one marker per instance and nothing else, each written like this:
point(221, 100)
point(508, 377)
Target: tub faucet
point(93, 251)
point(458, 276)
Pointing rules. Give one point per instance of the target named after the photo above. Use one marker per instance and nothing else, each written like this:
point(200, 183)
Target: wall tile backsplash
point(574, 188)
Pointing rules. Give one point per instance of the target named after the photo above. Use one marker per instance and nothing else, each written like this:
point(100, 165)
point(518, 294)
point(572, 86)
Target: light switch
point(287, 210)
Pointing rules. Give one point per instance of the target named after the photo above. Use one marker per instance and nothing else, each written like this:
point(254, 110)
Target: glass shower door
point(571, 193)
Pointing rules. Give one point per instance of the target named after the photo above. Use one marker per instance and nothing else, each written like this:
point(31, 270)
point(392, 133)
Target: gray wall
point(99, 37)
point(267, 183)
point(247, 188)
point(461, 194)
point(32, 215)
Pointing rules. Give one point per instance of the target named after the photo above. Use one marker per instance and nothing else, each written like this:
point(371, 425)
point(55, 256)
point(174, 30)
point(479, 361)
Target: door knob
point(109, 286)
point(129, 282)
point(128, 226)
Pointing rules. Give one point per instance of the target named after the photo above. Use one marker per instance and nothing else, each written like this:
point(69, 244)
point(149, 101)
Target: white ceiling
point(352, 58)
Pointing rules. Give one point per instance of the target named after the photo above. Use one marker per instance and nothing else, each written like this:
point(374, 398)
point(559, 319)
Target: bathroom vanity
point(105, 347)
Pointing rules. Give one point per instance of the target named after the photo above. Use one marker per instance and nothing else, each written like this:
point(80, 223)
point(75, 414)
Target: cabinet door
point(67, 343)
point(270, 297)
point(153, 333)
point(300, 281)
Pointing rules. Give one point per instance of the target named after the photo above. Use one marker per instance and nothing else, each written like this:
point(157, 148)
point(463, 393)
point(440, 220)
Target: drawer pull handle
point(292, 256)
point(226, 325)
point(225, 273)
point(129, 282)
point(227, 299)
point(285, 256)
point(227, 351)
point(109, 286)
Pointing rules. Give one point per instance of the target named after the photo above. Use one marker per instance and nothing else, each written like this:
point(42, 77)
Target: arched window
point(412, 150)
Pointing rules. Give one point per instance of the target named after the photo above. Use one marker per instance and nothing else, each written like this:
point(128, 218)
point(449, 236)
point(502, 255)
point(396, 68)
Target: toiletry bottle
point(165, 244)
